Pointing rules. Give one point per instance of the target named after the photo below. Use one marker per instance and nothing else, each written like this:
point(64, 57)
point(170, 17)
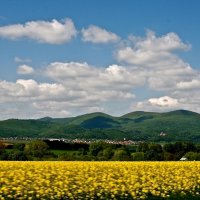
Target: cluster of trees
point(166, 152)
point(34, 150)
point(99, 151)
point(144, 151)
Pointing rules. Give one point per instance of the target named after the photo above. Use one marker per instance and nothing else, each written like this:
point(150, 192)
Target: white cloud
point(164, 101)
point(51, 109)
point(53, 32)
point(97, 85)
point(149, 66)
point(73, 85)
point(188, 100)
point(168, 42)
point(76, 85)
point(161, 104)
point(96, 109)
point(96, 34)
point(117, 73)
point(25, 69)
point(61, 70)
point(152, 51)
point(155, 57)
point(27, 90)
point(188, 85)
point(22, 60)
point(82, 76)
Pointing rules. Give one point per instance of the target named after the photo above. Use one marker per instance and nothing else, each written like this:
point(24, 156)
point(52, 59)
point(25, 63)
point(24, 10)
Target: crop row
point(98, 180)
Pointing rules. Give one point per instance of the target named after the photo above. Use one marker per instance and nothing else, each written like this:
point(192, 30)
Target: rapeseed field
point(98, 180)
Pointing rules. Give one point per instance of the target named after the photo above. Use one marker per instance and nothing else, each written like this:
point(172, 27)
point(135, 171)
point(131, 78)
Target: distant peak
point(182, 112)
point(45, 118)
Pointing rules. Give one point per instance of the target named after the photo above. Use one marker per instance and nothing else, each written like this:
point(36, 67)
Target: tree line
point(99, 151)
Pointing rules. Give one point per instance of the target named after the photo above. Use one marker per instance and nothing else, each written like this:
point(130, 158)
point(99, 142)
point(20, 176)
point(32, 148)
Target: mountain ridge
point(139, 125)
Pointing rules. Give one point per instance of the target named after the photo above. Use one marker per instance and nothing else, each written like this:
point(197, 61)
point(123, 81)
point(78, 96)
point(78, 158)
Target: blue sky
point(65, 58)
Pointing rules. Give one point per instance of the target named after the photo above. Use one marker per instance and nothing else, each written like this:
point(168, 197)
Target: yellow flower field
point(97, 180)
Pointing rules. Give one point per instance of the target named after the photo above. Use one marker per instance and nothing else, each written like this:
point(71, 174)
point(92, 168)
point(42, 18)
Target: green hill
point(177, 125)
point(149, 126)
point(23, 128)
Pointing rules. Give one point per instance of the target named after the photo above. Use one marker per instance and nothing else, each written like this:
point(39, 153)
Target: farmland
point(99, 180)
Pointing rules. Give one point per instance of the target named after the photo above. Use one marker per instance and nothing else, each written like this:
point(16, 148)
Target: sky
point(64, 58)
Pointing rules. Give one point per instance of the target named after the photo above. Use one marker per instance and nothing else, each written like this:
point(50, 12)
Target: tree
point(108, 153)
point(36, 148)
point(156, 147)
point(179, 147)
point(17, 155)
point(168, 156)
point(2, 145)
point(3, 154)
point(19, 146)
point(198, 148)
point(143, 147)
point(121, 155)
point(95, 148)
point(155, 152)
point(138, 156)
point(189, 146)
point(169, 148)
point(192, 156)
point(151, 155)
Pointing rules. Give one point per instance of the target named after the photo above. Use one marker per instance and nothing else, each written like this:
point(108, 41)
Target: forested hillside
point(148, 126)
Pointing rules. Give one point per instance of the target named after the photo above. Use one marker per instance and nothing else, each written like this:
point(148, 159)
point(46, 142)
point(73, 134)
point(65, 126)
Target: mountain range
point(179, 125)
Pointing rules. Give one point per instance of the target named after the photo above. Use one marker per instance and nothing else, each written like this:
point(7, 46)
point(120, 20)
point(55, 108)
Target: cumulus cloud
point(74, 85)
point(156, 57)
point(82, 75)
point(96, 34)
point(52, 32)
point(161, 104)
point(152, 50)
point(25, 69)
point(26, 90)
point(97, 84)
point(163, 101)
point(180, 100)
point(61, 70)
point(116, 73)
point(147, 66)
point(168, 42)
